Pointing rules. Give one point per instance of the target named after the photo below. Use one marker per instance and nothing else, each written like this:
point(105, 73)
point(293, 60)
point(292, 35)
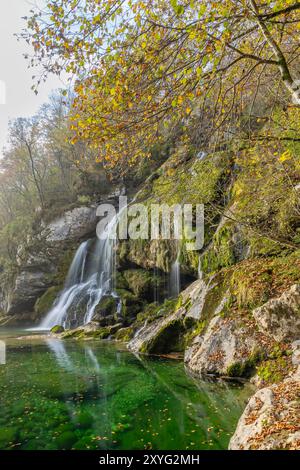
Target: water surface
point(97, 395)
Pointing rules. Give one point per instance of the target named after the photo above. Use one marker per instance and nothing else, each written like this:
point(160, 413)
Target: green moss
point(152, 312)
point(73, 334)
point(102, 333)
point(107, 306)
point(64, 265)
point(190, 182)
point(194, 331)
point(274, 370)
point(57, 329)
point(7, 435)
point(131, 305)
point(124, 334)
point(169, 339)
point(255, 281)
point(277, 366)
point(120, 281)
point(66, 440)
point(245, 368)
point(221, 252)
point(142, 282)
point(235, 370)
point(45, 302)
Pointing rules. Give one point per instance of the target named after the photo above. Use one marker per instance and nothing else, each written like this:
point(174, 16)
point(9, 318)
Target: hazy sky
point(20, 99)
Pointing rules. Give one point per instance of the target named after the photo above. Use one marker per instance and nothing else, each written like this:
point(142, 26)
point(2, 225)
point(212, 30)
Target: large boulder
point(225, 348)
point(163, 335)
point(271, 419)
point(30, 283)
point(280, 318)
point(161, 329)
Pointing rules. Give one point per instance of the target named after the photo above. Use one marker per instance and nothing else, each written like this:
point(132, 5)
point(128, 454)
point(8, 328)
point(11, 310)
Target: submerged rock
point(92, 330)
point(280, 317)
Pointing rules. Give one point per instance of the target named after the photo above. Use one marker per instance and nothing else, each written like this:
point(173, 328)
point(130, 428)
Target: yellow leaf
point(285, 156)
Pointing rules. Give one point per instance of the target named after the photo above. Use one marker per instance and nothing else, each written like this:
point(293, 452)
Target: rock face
point(226, 348)
point(222, 345)
point(166, 332)
point(72, 225)
point(280, 318)
point(271, 419)
point(35, 275)
point(29, 285)
point(161, 336)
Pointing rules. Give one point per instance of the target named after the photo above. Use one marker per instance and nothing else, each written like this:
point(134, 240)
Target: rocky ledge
point(216, 340)
point(271, 420)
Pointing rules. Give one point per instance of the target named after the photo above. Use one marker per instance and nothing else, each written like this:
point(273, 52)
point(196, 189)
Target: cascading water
point(175, 284)
point(175, 278)
point(90, 277)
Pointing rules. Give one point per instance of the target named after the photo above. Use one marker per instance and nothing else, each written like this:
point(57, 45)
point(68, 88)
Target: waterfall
point(175, 278)
point(174, 281)
point(91, 276)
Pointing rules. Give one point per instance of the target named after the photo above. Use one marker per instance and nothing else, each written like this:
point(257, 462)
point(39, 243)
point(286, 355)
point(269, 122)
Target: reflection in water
point(57, 346)
point(94, 396)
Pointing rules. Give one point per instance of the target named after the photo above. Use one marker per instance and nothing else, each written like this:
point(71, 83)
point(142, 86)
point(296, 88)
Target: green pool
point(97, 395)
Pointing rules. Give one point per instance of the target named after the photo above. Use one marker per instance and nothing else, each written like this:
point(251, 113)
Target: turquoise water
point(97, 395)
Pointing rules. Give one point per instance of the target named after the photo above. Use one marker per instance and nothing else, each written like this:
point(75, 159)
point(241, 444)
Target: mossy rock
point(107, 306)
point(73, 334)
point(45, 302)
point(245, 368)
point(131, 305)
point(57, 329)
point(64, 265)
point(121, 281)
point(124, 334)
point(142, 282)
point(221, 252)
point(169, 339)
point(254, 281)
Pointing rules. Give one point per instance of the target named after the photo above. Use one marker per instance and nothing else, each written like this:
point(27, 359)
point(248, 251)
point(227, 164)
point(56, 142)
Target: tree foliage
point(144, 67)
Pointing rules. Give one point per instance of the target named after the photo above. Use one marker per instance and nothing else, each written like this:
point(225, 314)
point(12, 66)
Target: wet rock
point(45, 302)
point(124, 334)
point(92, 330)
point(280, 318)
point(57, 329)
point(106, 308)
point(195, 295)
